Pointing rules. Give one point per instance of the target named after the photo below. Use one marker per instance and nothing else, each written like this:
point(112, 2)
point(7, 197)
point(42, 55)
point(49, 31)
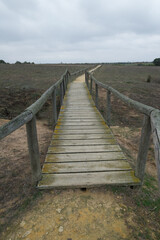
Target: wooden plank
point(82, 115)
point(79, 127)
point(79, 123)
point(82, 136)
point(79, 167)
point(84, 149)
point(82, 142)
point(79, 112)
point(82, 131)
point(78, 120)
point(80, 180)
point(90, 108)
point(79, 117)
point(82, 104)
point(80, 157)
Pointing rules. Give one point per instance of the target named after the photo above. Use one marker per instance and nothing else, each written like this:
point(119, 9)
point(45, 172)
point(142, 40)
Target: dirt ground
point(73, 214)
point(107, 213)
point(15, 172)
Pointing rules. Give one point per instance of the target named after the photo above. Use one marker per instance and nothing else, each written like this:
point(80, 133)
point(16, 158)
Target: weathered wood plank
point(82, 136)
point(79, 167)
point(83, 149)
point(77, 116)
point(79, 180)
point(79, 123)
point(82, 142)
point(78, 120)
point(79, 127)
point(83, 157)
point(82, 104)
point(82, 131)
point(77, 111)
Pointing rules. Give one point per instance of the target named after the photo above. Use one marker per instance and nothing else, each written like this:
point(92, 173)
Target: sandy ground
point(73, 214)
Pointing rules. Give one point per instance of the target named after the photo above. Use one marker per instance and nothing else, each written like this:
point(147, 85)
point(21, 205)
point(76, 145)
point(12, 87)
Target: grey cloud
point(71, 30)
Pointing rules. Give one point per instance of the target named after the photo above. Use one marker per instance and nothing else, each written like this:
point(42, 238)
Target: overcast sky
point(53, 31)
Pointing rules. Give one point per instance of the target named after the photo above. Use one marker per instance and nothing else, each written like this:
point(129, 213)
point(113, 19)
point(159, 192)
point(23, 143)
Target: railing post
point(65, 82)
point(64, 89)
point(86, 78)
point(155, 123)
point(108, 110)
point(67, 79)
point(143, 148)
point(33, 149)
point(54, 106)
point(61, 93)
point(96, 99)
point(91, 83)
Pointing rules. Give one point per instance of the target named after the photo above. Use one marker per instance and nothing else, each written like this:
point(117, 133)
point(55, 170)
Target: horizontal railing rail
point(28, 117)
point(151, 123)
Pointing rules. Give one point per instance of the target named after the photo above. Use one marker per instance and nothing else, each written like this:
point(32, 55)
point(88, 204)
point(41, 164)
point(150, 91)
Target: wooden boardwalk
point(83, 151)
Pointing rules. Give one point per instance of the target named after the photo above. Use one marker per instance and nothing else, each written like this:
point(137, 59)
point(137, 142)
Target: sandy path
point(73, 214)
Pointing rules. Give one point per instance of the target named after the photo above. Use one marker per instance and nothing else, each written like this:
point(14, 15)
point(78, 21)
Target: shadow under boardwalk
point(83, 151)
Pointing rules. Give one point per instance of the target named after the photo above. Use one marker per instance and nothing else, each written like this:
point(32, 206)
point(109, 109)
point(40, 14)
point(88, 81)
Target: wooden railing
point(151, 123)
point(28, 117)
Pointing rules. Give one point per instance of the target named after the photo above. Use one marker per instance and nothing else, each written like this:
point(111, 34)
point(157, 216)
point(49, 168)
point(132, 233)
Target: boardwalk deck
point(83, 151)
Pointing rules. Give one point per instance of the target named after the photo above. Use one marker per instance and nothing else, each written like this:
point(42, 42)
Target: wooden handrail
point(151, 123)
point(28, 117)
point(135, 104)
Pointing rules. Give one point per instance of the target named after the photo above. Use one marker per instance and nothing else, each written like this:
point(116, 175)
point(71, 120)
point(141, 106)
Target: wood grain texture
point(83, 142)
point(84, 149)
point(80, 180)
point(79, 167)
point(81, 157)
point(83, 136)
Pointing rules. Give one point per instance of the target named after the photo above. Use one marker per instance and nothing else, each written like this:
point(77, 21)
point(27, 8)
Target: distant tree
point(156, 61)
point(2, 61)
point(18, 62)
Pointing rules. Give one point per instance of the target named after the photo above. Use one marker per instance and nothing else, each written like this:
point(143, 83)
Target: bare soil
point(15, 172)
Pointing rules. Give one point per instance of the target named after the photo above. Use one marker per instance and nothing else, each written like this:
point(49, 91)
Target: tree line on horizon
point(17, 62)
point(156, 62)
